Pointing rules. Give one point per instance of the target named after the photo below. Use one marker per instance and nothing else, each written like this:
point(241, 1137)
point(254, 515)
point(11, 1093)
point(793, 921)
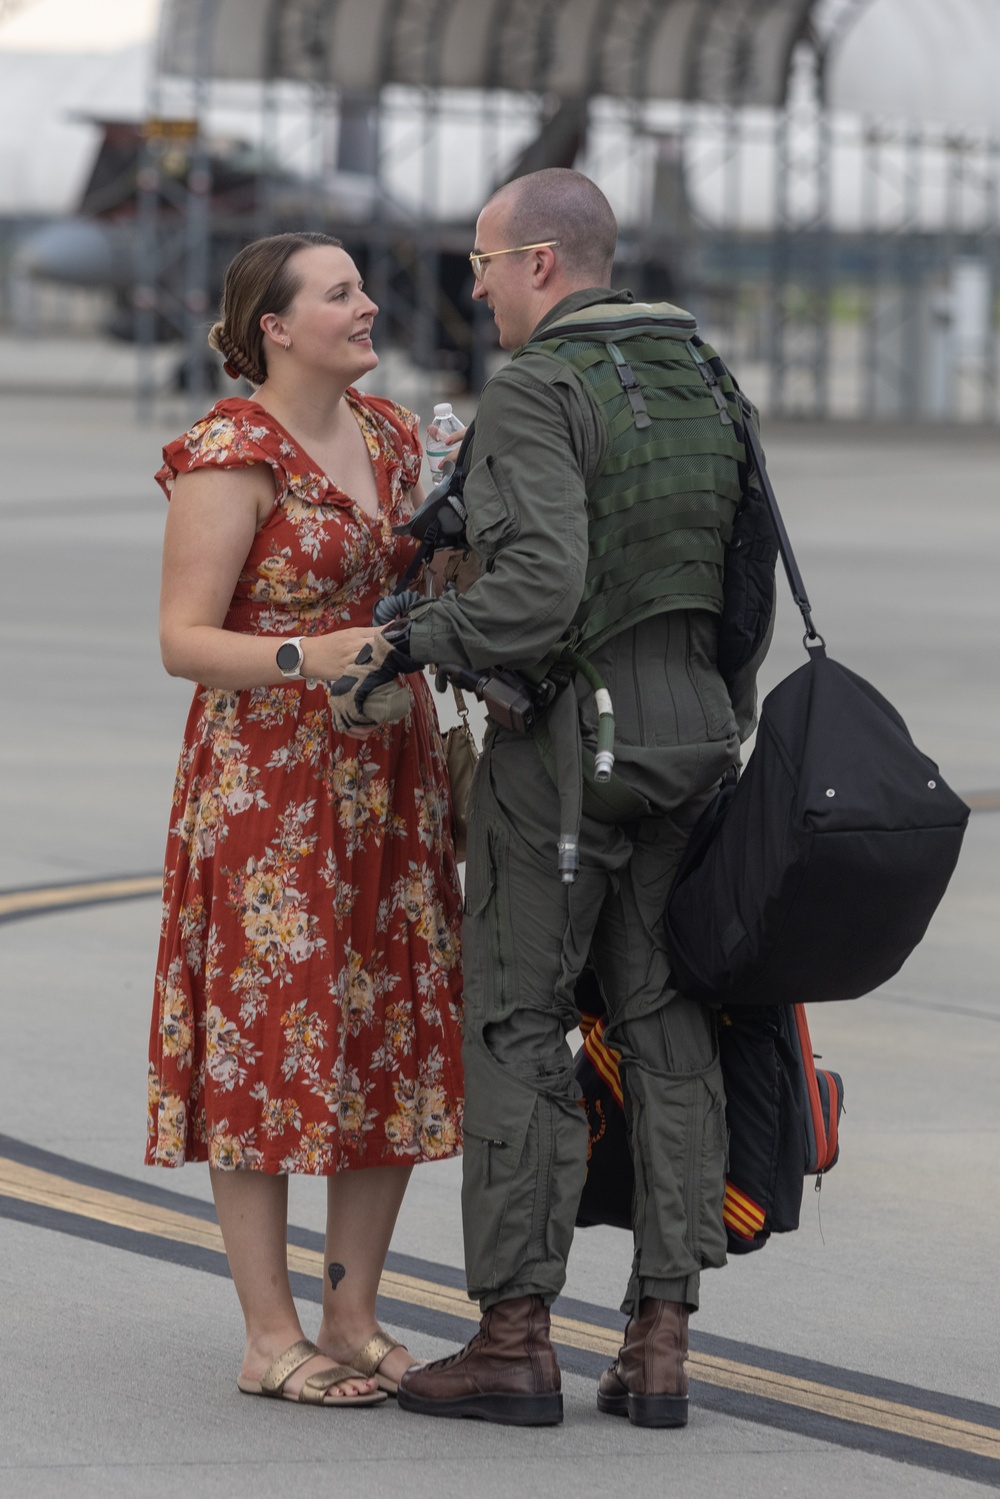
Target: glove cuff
point(397, 635)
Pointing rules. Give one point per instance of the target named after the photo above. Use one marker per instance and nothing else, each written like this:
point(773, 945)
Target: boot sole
point(658, 1410)
point(506, 1410)
point(612, 1405)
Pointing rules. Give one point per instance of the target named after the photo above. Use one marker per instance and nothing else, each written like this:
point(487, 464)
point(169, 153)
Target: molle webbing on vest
point(661, 506)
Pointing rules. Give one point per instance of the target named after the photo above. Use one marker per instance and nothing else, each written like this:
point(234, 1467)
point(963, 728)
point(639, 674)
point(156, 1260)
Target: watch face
point(288, 656)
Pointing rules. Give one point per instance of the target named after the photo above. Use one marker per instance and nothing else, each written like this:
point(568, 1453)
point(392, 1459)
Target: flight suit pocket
point(487, 931)
point(493, 516)
point(498, 1182)
point(480, 881)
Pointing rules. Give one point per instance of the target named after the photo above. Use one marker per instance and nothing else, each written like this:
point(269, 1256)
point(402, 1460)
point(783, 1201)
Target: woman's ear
point(272, 327)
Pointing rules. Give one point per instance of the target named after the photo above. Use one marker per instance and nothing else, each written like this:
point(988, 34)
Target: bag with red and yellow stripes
point(782, 1113)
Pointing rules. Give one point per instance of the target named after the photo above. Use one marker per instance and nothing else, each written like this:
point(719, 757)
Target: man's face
point(506, 283)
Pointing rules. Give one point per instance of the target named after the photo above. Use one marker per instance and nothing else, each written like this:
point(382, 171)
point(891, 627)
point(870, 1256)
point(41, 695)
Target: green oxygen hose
point(564, 736)
point(604, 758)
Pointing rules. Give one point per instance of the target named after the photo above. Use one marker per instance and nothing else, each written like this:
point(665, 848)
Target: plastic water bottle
point(437, 448)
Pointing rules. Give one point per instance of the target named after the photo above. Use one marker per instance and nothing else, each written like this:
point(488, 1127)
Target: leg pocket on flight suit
point(497, 1181)
point(487, 935)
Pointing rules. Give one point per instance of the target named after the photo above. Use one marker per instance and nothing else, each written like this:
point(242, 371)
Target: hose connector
point(569, 858)
point(604, 764)
point(604, 756)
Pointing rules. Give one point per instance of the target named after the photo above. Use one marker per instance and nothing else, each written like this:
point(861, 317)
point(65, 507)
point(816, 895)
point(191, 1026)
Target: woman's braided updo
point(258, 280)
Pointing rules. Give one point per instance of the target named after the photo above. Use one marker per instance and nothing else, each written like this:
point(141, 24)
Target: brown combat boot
point(508, 1373)
point(648, 1381)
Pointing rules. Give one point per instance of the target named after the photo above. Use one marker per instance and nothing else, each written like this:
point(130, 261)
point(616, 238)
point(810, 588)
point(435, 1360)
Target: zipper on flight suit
point(490, 1145)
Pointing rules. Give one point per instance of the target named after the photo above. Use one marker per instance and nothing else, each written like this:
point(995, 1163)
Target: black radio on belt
point(508, 699)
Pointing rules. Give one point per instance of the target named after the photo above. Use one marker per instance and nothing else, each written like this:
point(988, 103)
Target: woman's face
point(329, 322)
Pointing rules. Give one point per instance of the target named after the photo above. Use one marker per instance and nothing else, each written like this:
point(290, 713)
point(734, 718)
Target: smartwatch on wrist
point(289, 656)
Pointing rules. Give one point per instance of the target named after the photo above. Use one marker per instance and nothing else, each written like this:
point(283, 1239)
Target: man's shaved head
point(561, 204)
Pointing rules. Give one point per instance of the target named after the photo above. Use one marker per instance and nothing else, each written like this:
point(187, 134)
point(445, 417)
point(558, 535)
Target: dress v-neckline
point(381, 488)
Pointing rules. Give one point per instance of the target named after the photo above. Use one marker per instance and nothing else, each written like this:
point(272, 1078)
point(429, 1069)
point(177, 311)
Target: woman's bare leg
point(362, 1207)
point(253, 1211)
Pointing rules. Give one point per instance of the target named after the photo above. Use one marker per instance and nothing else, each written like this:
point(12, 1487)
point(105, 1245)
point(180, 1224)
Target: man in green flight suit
point(594, 524)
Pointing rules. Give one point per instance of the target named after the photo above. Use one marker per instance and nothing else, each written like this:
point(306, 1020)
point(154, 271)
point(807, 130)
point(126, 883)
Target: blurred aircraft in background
point(99, 244)
point(418, 271)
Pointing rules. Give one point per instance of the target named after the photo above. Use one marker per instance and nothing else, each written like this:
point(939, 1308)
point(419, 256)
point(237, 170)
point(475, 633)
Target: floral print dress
point(307, 1013)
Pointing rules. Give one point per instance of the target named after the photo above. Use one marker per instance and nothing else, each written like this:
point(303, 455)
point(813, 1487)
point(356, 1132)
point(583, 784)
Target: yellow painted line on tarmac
point(27, 902)
point(807, 1394)
point(845, 1405)
point(46, 1189)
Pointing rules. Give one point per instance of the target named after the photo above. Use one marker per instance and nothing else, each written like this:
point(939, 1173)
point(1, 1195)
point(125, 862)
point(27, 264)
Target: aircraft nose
point(77, 251)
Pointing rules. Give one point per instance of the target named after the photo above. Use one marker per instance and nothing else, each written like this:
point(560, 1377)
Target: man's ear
point(544, 267)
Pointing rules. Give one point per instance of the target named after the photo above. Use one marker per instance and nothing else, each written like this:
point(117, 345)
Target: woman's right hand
point(451, 438)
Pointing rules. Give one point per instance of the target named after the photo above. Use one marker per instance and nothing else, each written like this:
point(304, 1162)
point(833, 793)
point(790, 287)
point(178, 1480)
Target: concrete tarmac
point(120, 1345)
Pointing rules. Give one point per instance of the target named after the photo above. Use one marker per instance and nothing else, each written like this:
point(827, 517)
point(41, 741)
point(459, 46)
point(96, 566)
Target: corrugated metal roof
point(719, 51)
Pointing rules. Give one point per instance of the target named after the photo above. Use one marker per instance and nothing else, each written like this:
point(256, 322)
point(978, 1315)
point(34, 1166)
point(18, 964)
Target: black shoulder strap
point(463, 448)
point(795, 582)
point(813, 639)
point(456, 486)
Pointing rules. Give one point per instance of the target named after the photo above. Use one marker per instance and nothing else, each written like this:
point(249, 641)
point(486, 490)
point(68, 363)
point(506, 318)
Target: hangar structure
point(737, 52)
point(850, 263)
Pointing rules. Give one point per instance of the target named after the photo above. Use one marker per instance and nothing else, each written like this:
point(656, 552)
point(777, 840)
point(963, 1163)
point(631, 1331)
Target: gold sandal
point(316, 1387)
point(368, 1359)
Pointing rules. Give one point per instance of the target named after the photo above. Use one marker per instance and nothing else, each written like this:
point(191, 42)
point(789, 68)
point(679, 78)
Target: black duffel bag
point(814, 875)
point(782, 1119)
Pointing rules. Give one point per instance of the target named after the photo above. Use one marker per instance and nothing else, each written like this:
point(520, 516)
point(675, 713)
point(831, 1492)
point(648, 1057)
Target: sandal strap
point(378, 1347)
point(273, 1381)
point(318, 1386)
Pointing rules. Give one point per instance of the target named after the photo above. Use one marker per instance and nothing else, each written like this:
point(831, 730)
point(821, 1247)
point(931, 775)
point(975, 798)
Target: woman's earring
point(287, 345)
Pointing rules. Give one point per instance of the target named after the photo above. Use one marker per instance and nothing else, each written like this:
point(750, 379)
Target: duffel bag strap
point(813, 640)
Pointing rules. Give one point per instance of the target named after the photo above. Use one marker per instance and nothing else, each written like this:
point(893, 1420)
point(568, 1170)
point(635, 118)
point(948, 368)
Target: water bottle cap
point(444, 409)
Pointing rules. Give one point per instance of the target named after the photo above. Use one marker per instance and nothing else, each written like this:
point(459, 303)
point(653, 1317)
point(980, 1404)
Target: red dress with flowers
point(308, 994)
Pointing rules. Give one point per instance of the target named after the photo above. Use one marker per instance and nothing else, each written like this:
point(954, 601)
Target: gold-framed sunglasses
point(478, 259)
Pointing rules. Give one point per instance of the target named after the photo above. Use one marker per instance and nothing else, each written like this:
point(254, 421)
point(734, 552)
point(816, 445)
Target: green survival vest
point(660, 508)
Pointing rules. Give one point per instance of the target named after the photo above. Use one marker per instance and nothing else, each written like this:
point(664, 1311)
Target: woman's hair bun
point(236, 365)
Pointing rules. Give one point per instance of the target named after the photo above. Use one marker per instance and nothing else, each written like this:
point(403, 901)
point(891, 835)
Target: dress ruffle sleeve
point(238, 434)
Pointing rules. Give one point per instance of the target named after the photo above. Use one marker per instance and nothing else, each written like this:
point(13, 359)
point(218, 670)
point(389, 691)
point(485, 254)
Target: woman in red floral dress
point(307, 1013)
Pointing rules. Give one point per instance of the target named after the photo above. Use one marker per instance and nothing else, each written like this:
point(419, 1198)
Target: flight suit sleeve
point(536, 444)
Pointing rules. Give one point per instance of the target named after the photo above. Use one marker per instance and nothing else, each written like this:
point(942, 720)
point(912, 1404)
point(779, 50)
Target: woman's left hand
point(327, 658)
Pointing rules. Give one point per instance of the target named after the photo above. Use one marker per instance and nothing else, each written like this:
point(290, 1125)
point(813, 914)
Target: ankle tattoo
point(336, 1273)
